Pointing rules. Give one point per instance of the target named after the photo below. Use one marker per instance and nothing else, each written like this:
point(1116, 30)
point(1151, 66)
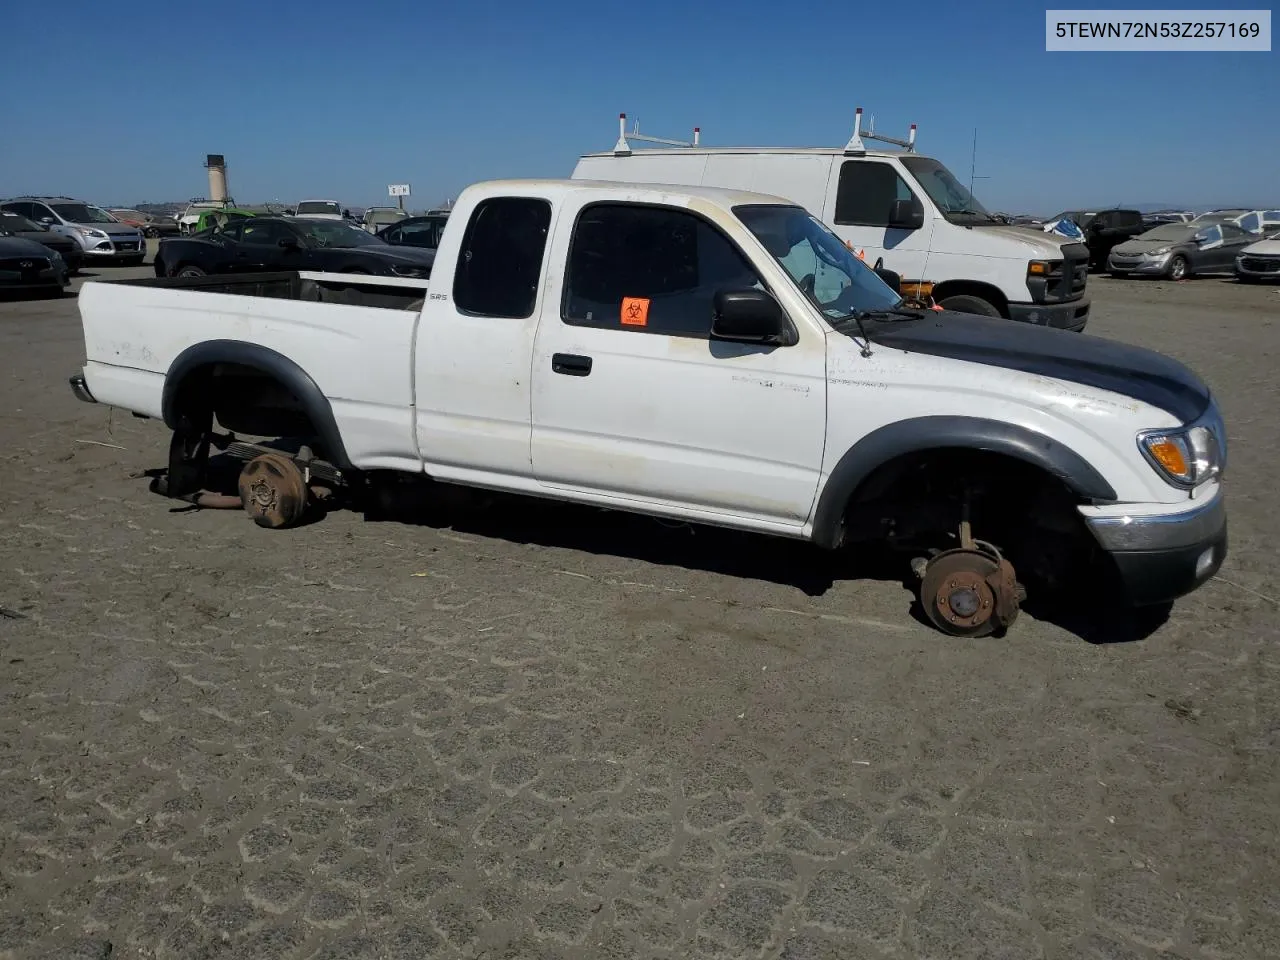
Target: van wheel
point(964, 303)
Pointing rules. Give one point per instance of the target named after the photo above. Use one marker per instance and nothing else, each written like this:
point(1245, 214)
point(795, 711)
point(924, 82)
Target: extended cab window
point(666, 264)
point(501, 257)
point(866, 193)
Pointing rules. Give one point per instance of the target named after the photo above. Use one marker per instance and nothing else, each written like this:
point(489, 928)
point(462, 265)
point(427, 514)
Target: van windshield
point(948, 194)
point(837, 282)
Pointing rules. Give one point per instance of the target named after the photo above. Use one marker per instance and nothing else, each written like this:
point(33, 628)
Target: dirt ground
point(549, 732)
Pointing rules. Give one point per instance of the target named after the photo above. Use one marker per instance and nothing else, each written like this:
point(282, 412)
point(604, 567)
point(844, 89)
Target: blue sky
point(337, 99)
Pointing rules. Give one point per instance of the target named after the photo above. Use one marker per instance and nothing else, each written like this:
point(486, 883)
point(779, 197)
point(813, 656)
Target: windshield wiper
point(861, 316)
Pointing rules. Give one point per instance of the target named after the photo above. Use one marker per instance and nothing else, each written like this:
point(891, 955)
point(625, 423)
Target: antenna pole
point(973, 161)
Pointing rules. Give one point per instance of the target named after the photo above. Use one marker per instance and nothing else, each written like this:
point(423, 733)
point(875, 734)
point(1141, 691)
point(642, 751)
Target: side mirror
point(906, 215)
point(891, 278)
point(48, 220)
point(750, 316)
point(287, 243)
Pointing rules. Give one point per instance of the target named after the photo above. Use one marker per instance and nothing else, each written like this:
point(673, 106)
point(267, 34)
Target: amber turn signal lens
point(1169, 455)
point(1037, 267)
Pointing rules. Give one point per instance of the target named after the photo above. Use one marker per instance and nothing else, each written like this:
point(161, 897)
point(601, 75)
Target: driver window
point(666, 263)
point(866, 193)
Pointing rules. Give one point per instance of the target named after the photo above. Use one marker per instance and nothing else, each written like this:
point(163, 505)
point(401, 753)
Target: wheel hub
point(965, 599)
point(970, 592)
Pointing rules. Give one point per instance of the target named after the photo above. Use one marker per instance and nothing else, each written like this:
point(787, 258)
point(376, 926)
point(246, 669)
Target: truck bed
point(355, 340)
point(387, 292)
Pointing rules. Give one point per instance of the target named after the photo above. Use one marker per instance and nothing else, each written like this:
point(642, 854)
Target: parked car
point(1103, 229)
point(27, 266)
point(189, 219)
point(211, 219)
point(264, 244)
point(320, 210)
point(102, 237)
point(150, 224)
point(13, 225)
point(1259, 260)
point(415, 232)
point(1167, 216)
point(666, 350)
point(376, 218)
point(1265, 222)
point(1179, 251)
point(1229, 215)
point(893, 205)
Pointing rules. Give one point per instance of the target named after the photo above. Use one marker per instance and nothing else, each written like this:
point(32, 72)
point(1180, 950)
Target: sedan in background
point(421, 232)
point(14, 225)
point(1178, 251)
point(150, 224)
point(267, 244)
point(1259, 261)
point(27, 266)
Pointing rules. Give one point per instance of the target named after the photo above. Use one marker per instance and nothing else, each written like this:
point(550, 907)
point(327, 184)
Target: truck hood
point(1031, 242)
point(1133, 372)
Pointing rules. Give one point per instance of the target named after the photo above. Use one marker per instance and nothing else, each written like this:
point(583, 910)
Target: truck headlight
point(1190, 455)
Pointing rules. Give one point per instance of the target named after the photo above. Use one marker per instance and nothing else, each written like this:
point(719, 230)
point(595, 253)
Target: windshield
point(836, 281)
point(331, 233)
point(82, 213)
point(948, 194)
point(15, 223)
point(1169, 231)
point(318, 206)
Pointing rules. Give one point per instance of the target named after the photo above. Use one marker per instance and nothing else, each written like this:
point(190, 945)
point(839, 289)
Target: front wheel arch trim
point(921, 434)
point(275, 365)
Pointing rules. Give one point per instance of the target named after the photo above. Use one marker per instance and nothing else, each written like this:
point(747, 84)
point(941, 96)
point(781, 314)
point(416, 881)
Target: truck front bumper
point(1163, 557)
point(1072, 315)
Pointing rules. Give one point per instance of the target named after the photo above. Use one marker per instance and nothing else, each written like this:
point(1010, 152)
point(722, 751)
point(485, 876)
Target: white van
point(894, 205)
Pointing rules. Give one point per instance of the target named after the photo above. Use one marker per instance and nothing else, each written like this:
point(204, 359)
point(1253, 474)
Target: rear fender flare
point(919, 434)
point(275, 365)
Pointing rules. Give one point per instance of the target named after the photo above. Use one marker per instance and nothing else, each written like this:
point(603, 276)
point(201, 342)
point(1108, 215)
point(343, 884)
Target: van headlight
point(1190, 455)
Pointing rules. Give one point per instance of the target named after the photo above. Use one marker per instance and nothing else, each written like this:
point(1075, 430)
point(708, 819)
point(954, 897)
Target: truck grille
point(1067, 282)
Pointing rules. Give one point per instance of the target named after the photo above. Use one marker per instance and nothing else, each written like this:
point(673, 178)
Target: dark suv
point(1103, 229)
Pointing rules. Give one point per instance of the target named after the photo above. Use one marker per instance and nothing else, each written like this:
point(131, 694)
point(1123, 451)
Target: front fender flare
point(945, 432)
point(276, 365)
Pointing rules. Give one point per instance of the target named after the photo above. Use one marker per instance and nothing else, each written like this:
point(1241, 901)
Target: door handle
point(570, 364)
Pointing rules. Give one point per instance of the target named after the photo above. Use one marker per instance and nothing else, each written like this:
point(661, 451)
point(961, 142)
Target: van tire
point(966, 303)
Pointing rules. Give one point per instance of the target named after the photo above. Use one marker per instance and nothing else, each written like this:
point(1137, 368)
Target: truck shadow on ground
point(1085, 611)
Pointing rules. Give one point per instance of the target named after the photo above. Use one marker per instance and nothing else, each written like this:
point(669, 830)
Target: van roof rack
point(855, 146)
point(623, 147)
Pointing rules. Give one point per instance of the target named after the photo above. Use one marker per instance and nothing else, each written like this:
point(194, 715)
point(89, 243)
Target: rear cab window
point(500, 261)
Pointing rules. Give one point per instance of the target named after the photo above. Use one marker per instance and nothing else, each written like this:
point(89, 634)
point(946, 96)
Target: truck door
point(634, 403)
point(859, 202)
point(475, 339)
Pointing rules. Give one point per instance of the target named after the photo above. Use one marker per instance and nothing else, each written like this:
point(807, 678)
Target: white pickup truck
point(694, 353)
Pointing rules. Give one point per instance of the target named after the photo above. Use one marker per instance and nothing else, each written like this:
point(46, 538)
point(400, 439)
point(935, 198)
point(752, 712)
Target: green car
point(220, 218)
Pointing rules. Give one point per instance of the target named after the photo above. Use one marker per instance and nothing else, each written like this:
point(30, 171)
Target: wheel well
point(972, 288)
point(916, 501)
point(243, 399)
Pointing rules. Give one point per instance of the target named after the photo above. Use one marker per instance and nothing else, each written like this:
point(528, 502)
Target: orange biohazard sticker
point(635, 311)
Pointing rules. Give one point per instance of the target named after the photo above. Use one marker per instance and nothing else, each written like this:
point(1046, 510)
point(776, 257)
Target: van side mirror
point(750, 316)
point(906, 215)
point(891, 278)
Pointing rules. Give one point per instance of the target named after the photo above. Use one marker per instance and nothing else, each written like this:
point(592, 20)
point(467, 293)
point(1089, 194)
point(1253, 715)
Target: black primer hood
point(1079, 358)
